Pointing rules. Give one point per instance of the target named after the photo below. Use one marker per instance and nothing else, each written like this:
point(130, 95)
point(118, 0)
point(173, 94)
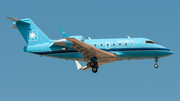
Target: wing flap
point(79, 67)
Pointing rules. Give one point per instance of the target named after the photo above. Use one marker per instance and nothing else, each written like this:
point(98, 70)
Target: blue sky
point(28, 77)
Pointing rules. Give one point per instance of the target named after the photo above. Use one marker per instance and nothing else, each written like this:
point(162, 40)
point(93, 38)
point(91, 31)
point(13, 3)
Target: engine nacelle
point(64, 42)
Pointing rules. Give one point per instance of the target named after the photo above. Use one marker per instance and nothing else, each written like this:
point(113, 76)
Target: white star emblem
point(32, 35)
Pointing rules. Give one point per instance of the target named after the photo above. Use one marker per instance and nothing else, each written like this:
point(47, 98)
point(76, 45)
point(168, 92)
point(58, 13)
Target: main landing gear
point(94, 65)
point(156, 65)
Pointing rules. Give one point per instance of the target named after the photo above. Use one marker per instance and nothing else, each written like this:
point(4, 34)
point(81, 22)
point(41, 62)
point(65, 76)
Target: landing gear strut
point(156, 65)
point(94, 66)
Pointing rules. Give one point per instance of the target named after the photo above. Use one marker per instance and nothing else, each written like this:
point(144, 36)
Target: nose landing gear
point(156, 65)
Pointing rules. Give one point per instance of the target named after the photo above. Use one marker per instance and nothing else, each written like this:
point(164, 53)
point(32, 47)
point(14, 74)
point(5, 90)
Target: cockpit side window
point(150, 42)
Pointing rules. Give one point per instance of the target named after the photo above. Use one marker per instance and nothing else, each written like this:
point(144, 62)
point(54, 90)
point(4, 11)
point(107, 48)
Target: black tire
point(92, 64)
point(156, 65)
point(94, 70)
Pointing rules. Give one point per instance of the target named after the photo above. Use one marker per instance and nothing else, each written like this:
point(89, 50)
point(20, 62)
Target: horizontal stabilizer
point(24, 21)
point(13, 19)
point(14, 26)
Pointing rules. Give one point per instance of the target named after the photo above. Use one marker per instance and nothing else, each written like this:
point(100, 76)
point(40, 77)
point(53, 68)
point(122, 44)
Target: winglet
point(79, 67)
point(65, 35)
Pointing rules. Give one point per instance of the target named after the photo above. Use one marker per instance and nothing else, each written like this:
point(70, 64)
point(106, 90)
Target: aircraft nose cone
point(170, 52)
point(164, 53)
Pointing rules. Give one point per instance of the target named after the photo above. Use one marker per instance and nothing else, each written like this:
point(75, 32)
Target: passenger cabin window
point(150, 42)
point(107, 44)
point(119, 44)
point(113, 44)
point(94, 44)
point(125, 44)
point(101, 44)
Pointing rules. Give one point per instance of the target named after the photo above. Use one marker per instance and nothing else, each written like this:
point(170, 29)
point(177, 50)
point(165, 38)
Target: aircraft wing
point(89, 51)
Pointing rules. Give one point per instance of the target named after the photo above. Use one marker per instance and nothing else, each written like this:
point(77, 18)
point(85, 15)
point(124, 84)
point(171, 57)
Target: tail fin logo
point(33, 35)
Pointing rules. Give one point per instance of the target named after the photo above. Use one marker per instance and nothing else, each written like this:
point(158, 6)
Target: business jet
point(95, 52)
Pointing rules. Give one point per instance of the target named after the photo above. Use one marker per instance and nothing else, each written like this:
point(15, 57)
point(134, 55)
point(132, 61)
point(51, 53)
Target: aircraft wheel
point(92, 64)
point(94, 69)
point(156, 65)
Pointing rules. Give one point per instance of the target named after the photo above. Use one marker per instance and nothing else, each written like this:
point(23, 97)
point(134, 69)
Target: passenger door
point(107, 45)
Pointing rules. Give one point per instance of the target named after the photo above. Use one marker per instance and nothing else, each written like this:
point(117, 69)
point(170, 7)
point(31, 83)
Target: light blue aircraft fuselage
point(125, 48)
point(94, 51)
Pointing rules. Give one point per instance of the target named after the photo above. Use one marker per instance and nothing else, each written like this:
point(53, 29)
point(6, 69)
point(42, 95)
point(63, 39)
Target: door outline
point(107, 47)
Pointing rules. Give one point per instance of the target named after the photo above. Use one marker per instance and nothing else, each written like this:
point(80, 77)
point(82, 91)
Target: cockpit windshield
point(150, 42)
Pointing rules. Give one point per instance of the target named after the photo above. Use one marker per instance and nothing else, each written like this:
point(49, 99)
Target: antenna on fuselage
point(128, 36)
point(89, 38)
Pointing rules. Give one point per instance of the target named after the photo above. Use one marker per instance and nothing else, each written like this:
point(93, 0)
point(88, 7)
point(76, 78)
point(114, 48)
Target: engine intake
point(64, 42)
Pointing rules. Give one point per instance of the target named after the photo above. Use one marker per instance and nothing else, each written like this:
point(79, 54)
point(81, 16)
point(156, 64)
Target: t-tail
point(30, 32)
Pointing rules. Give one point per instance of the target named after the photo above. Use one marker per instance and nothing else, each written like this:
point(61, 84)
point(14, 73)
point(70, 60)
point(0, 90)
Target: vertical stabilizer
point(30, 32)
